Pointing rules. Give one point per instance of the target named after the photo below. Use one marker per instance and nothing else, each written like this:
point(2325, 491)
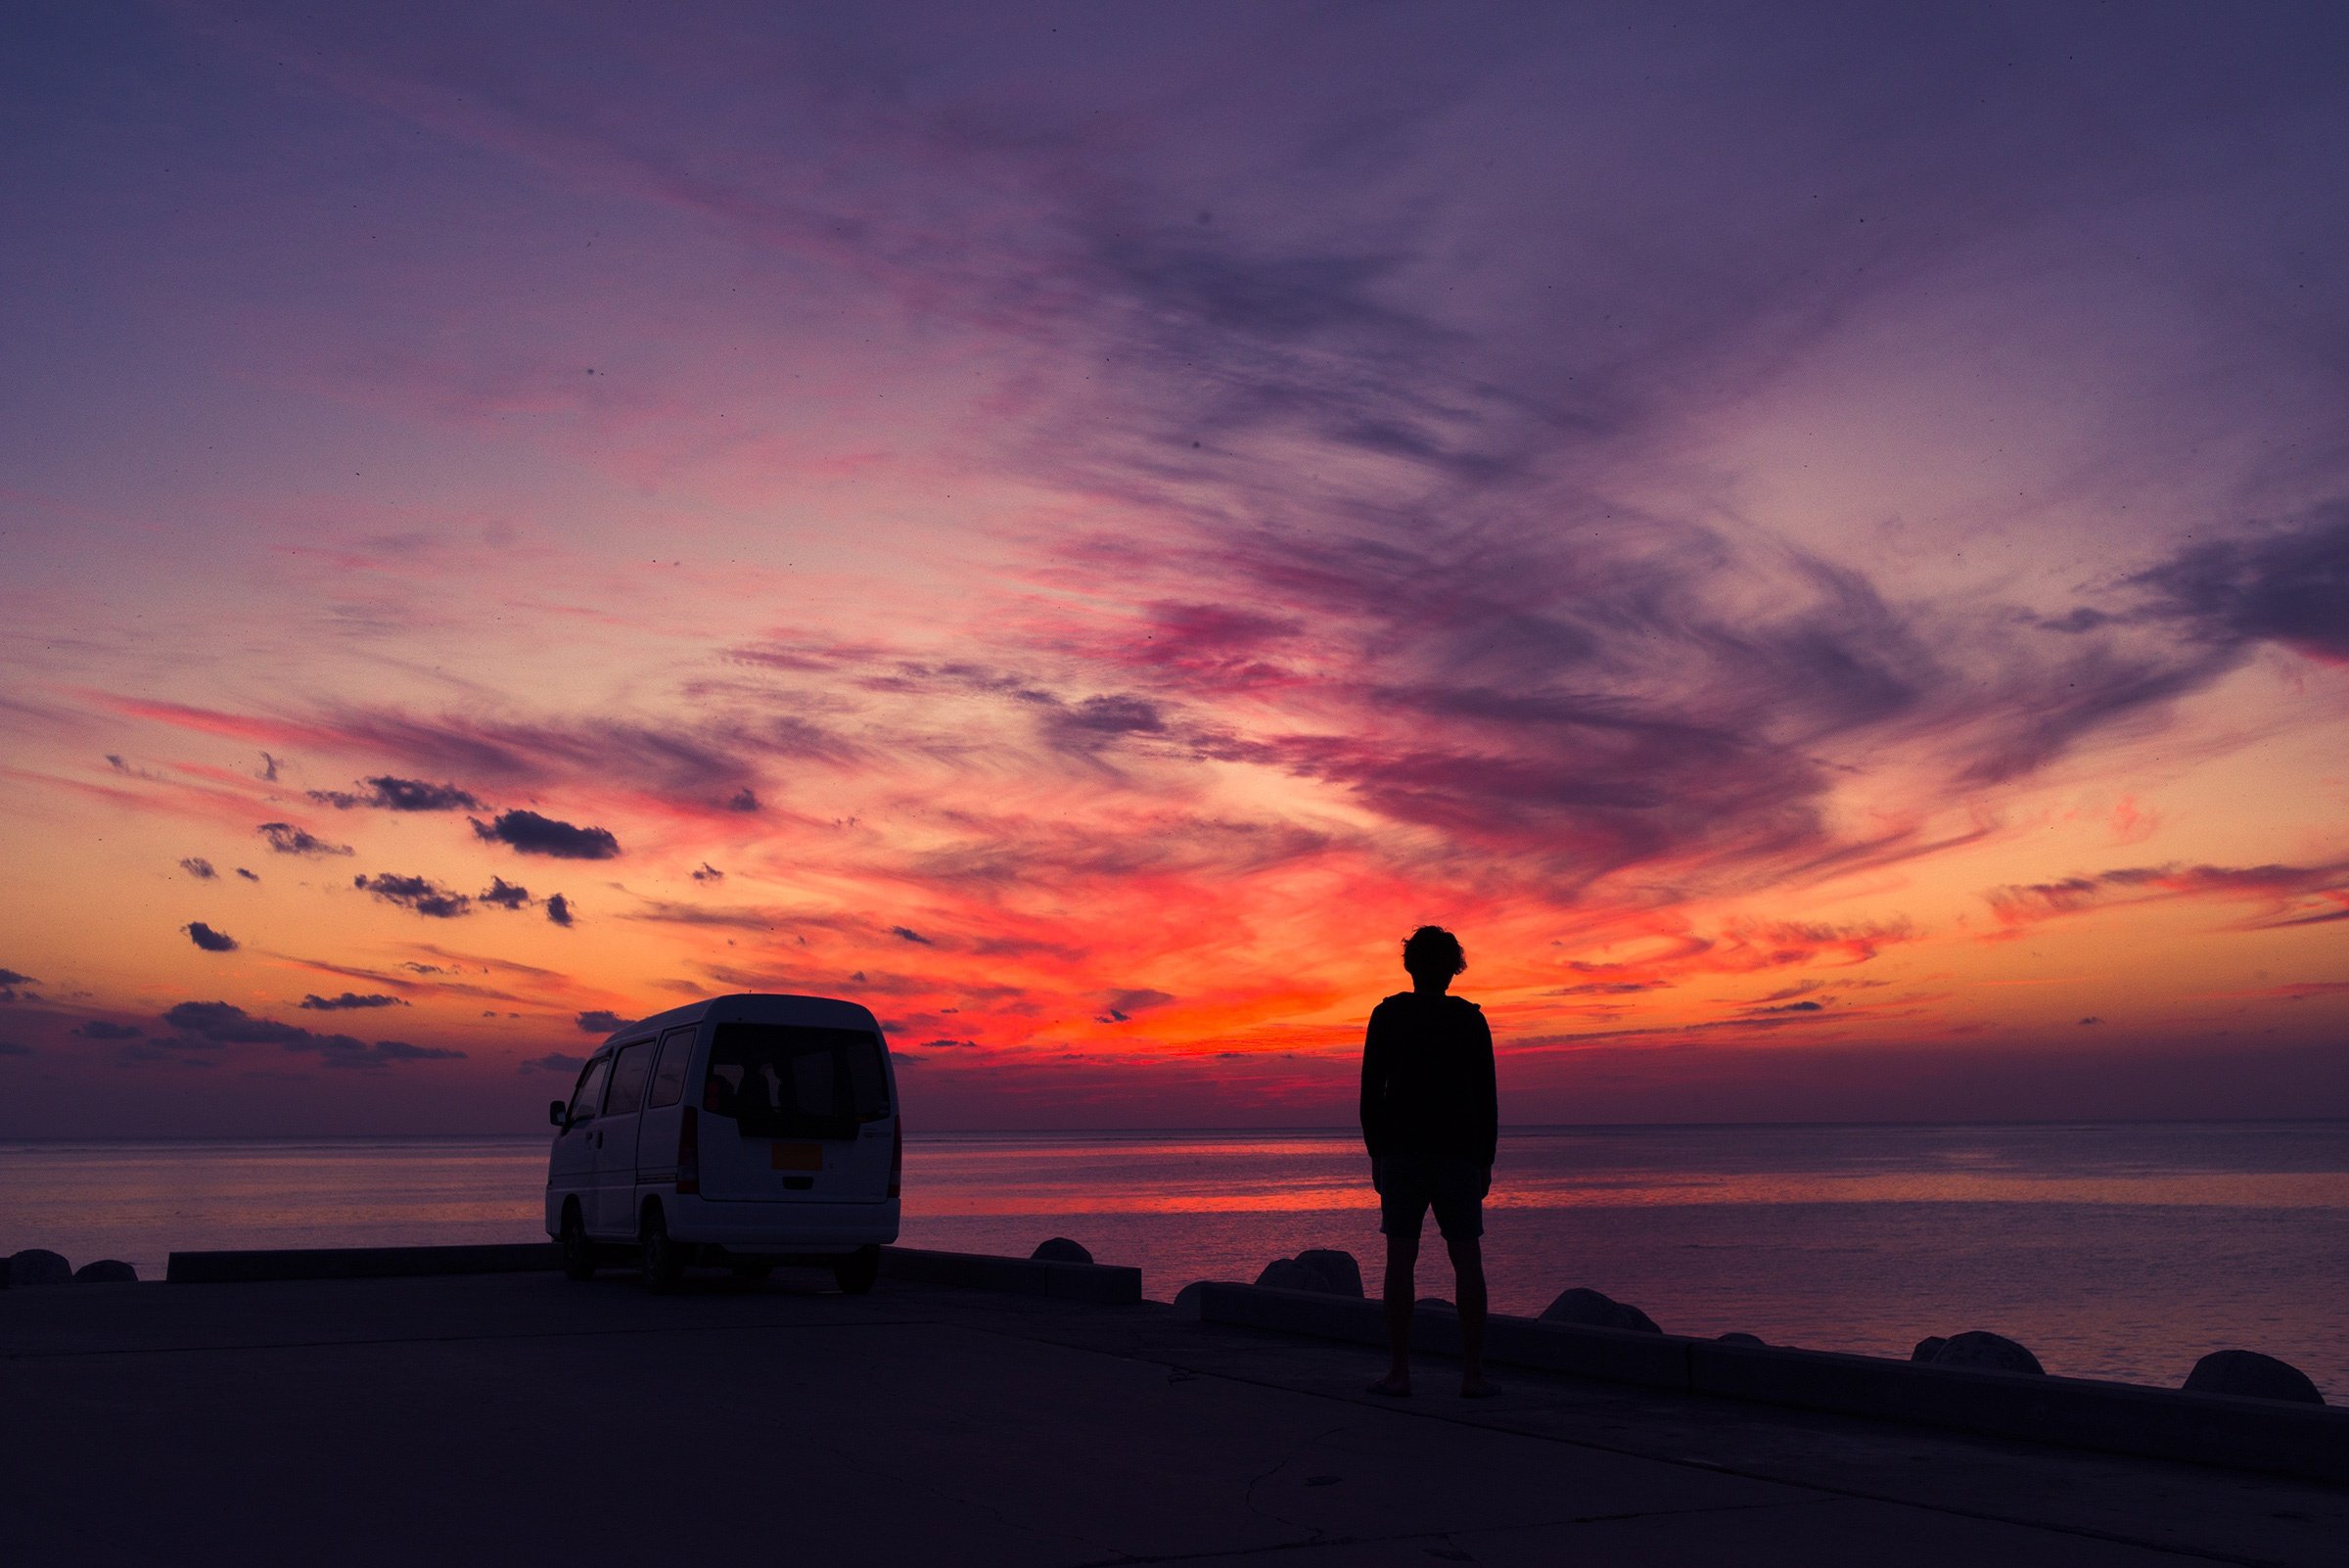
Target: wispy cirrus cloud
point(2289, 894)
point(201, 1029)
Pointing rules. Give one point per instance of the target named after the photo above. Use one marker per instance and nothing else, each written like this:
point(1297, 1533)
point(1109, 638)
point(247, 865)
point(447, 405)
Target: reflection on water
point(2113, 1251)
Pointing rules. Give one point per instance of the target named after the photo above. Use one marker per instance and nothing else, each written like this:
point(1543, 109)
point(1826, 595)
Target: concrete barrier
point(358, 1262)
point(1104, 1285)
point(2243, 1434)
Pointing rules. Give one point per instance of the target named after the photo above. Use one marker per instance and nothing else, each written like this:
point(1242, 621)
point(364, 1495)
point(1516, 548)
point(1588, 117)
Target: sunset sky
point(1814, 537)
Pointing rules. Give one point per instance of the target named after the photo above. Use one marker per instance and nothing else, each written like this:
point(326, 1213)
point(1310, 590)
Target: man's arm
point(1488, 1089)
point(1374, 1086)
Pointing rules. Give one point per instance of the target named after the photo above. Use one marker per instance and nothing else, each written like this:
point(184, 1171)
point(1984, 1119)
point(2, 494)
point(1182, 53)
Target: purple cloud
point(532, 834)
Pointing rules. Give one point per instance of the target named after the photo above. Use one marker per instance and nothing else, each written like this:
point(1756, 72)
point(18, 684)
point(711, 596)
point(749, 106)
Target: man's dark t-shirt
point(1427, 1080)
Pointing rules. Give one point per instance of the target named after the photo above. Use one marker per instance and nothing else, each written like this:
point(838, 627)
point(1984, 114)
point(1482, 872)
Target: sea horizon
point(1285, 1129)
point(2113, 1249)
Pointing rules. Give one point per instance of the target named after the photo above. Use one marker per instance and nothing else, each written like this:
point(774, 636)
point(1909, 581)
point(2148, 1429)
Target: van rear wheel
point(856, 1273)
point(578, 1253)
point(664, 1263)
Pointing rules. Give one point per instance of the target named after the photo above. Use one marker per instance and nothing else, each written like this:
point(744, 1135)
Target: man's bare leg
point(1402, 1258)
point(1468, 1271)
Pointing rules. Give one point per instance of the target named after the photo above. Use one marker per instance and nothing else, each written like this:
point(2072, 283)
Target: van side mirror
point(554, 1110)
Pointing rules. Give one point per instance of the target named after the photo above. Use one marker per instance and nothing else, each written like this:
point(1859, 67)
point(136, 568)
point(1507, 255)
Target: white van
point(742, 1131)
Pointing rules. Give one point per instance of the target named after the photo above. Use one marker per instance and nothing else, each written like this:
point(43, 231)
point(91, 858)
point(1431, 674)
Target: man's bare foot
point(1478, 1388)
point(1393, 1387)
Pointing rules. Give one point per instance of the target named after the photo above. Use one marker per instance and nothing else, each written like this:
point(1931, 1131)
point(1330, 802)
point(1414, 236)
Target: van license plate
point(799, 1156)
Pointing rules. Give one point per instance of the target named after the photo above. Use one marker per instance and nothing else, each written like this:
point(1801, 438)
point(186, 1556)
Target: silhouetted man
point(1431, 1117)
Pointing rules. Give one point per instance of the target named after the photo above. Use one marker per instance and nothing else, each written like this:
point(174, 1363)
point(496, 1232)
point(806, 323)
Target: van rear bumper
point(751, 1226)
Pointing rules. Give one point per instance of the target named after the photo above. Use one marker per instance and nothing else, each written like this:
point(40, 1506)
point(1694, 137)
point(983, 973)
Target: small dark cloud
point(2091, 1019)
point(1112, 1016)
point(219, 1023)
point(948, 1045)
point(908, 934)
point(708, 873)
point(10, 980)
point(420, 894)
point(8, 1047)
point(102, 1029)
point(552, 1062)
point(529, 833)
point(1790, 1007)
point(1608, 987)
point(114, 761)
point(743, 800)
point(349, 1001)
point(859, 977)
point(600, 1022)
point(387, 793)
point(558, 910)
point(268, 773)
point(505, 895)
point(208, 939)
point(287, 839)
point(247, 875)
point(197, 866)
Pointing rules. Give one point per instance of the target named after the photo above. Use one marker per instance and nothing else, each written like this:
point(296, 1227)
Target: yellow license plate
point(798, 1156)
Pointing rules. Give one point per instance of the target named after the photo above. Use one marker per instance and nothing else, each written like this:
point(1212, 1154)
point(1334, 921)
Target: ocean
point(2114, 1250)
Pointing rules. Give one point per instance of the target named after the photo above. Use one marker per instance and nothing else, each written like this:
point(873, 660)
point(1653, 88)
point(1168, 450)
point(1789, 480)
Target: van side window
point(588, 1098)
point(630, 1069)
point(668, 1079)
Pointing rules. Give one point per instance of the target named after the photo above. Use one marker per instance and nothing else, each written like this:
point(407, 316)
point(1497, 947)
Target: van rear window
point(784, 1081)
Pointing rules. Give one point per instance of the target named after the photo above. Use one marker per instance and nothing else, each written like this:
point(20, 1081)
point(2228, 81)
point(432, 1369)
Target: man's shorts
point(1410, 1184)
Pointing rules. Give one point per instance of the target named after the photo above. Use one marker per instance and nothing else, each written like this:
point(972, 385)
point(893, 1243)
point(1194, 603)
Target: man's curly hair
point(1432, 949)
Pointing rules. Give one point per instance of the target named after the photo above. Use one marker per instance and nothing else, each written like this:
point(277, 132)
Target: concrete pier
point(519, 1417)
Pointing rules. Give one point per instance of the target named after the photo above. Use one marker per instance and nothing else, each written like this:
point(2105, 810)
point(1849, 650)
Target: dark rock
point(1287, 1274)
point(1060, 1249)
point(1927, 1348)
point(1733, 1337)
point(2250, 1375)
point(1433, 1304)
point(1590, 1309)
point(36, 1266)
point(1321, 1270)
point(106, 1272)
point(1340, 1276)
point(1187, 1299)
point(1984, 1352)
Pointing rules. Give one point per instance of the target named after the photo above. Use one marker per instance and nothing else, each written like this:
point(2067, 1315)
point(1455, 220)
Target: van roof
point(754, 1007)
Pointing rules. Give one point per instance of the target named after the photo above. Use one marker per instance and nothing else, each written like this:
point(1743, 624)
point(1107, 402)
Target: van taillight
point(689, 1151)
point(897, 1156)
